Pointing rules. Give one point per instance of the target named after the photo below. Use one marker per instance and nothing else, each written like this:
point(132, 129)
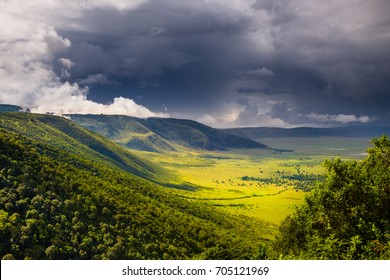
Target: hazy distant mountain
point(154, 134)
point(257, 133)
point(9, 108)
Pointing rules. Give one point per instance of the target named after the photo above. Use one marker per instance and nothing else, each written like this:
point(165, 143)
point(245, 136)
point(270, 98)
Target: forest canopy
point(347, 216)
point(54, 205)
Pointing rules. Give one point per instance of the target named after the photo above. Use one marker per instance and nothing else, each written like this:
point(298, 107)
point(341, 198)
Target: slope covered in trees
point(72, 138)
point(57, 204)
point(347, 216)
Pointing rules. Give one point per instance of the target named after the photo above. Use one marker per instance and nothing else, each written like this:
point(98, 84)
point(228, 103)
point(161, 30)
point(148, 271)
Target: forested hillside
point(73, 139)
point(347, 216)
point(57, 204)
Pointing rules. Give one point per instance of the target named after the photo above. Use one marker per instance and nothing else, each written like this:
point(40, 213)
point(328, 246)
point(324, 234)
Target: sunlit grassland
point(218, 180)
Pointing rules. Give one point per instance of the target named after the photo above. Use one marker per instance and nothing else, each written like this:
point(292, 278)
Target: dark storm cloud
point(342, 42)
point(239, 62)
point(189, 51)
point(332, 57)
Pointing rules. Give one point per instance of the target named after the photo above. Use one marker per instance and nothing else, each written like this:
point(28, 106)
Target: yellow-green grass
point(269, 209)
point(218, 176)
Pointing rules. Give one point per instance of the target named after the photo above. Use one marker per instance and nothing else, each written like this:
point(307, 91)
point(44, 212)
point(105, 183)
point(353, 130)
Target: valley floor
point(258, 185)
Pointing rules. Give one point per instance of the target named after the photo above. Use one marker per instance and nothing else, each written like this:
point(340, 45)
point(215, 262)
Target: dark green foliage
point(57, 204)
point(300, 181)
point(348, 215)
point(68, 136)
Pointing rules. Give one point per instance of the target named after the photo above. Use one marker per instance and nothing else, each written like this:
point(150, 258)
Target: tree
point(348, 215)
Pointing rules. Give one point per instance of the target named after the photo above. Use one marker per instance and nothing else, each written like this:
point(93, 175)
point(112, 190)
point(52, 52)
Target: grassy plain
point(259, 185)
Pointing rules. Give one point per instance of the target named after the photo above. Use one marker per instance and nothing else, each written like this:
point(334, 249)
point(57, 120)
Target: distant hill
point(156, 134)
point(257, 133)
point(9, 108)
point(127, 131)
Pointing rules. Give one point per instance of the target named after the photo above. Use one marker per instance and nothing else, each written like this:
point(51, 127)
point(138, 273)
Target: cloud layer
point(28, 49)
point(246, 63)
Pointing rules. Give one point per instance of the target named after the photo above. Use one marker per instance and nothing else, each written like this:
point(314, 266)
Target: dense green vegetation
point(68, 193)
point(57, 204)
point(347, 216)
point(70, 137)
point(300, 180)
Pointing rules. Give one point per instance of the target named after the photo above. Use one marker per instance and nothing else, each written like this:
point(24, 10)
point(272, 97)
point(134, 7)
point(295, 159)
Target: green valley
point(263, 183)
point(115, 187)
point(67, 193)
point(256, 184)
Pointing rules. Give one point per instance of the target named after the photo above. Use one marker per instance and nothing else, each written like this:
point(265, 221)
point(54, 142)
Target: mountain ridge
point(156, 134)
point(10, 108)
point(257, 133)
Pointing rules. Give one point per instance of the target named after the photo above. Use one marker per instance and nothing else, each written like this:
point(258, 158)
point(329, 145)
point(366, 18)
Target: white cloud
point(209, 120)
point(78, 104)
point(235, 115)
point(226, 116)
point(156, 31)
point(260, 72)
point(258, 121)
point(117, 4)
point(365, 119)
point(27, 79)
point(66, 15)
point(95, 79)
point(340, 118)
point(66, 63)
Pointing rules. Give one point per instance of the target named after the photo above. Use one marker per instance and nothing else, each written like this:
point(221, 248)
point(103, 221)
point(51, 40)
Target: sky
point(233, 63)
